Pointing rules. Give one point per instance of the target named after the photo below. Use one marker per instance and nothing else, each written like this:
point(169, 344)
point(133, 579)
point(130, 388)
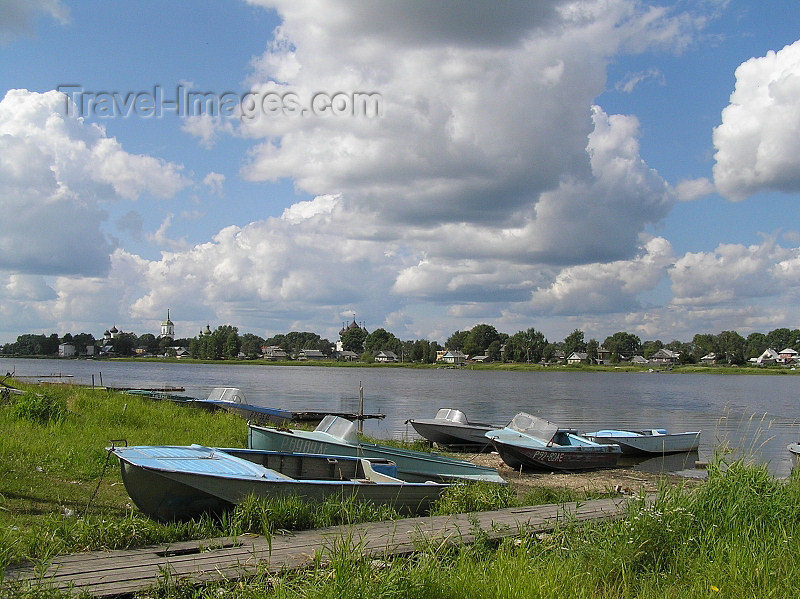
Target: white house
point(577, 357)
point(386, 356)
point(454, 357)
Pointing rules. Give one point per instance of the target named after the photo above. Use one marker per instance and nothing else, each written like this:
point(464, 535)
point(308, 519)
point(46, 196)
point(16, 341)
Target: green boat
point(338, 436)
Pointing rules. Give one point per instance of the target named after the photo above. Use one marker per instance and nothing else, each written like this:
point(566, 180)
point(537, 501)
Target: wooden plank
point(106, 573)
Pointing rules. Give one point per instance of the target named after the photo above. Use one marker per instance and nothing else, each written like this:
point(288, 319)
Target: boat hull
point(168, 493)
point(555, 458)
point(462, 437)
point(412, 466)
point(636, 443)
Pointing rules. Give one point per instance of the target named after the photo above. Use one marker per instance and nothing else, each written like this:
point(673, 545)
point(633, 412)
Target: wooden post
point(360, 407)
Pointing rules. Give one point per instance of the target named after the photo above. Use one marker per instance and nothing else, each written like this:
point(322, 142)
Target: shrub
point(41, 408)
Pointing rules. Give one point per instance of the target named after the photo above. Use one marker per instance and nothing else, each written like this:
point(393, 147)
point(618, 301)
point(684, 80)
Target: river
point(755, 416)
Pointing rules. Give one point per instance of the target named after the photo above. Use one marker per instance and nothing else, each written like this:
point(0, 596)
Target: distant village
point(482, 344)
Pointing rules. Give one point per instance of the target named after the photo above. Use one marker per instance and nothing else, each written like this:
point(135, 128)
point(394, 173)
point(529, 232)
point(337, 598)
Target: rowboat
point(181, 482)
point(648, 441)
point(233, 400)
point(338, 436)
point(451, 430)
point(538, 444)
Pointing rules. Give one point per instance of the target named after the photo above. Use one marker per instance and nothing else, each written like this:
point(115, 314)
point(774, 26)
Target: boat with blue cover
point(181, 482)
point(538, 444)
point(338, 436)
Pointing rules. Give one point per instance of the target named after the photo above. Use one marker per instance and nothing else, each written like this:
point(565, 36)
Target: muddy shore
point(619, 480)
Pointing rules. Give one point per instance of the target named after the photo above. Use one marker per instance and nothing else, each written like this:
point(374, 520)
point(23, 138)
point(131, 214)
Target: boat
point(180, 482)
point(159, 395)
point(234, 401)
point(538, 444)
point(794, 449)
point(338, 436)
point(451, 430)
point(648, 441)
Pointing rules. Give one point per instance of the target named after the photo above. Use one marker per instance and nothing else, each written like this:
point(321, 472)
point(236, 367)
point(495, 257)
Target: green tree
point(779, 339)
point(651, 347)
point(381, 339)
point(251, 345)
point(124, 344)
point(150, 343)
point(457, 340)
point(755, 345)
point(353, 339)
point(591, 351)
point(623, 345)
point(704, 344)
point(731, 345)
point(574, 343)
point(480, 338)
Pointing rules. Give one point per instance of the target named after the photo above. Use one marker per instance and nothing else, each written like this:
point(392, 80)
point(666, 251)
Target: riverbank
point(734, 369)
point(59, 493)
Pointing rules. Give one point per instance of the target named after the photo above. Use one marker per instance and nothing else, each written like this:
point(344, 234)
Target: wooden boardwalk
point(108, 573)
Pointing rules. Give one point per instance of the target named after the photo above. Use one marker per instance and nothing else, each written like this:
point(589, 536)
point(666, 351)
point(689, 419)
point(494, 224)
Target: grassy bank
point(736, 535)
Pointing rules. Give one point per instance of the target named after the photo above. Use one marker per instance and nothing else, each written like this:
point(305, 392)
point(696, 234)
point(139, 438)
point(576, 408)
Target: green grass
point(736, 536)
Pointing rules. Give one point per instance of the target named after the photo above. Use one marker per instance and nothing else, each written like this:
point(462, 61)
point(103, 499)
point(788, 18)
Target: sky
point(423, 167)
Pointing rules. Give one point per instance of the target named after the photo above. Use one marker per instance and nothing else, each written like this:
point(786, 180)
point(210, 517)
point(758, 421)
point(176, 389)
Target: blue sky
point(593, 165)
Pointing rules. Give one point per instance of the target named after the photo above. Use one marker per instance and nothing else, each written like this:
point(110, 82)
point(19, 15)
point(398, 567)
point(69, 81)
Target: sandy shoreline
point(620, 480)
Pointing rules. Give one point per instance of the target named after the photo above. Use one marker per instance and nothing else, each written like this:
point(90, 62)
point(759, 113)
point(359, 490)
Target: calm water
point(755, 414)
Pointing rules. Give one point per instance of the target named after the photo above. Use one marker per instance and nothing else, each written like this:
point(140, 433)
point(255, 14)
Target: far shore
point(733, 369)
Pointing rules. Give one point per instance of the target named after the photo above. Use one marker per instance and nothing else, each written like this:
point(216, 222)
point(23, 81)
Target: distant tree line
point(483, 339)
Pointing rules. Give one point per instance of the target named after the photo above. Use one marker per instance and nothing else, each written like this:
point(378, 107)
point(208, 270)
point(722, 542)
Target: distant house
point(386, 356)
point(665, 356)
point(345, 355)
point(603, 355)
point(454, 357)
point(769, 356)
point(639, 360)
point(709, 358)
point(66, 350)
point(483, 358)
point(787, 356)
point(577, 357)
point(310, 354)
point(273, 352)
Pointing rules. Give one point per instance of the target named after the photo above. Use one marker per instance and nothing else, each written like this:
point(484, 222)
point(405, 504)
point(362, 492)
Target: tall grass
point(736, 536)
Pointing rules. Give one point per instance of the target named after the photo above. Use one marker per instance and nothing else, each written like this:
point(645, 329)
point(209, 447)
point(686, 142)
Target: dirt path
point(620, 480)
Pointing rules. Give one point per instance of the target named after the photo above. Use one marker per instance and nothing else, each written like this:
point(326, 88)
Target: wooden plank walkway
point(109, 573)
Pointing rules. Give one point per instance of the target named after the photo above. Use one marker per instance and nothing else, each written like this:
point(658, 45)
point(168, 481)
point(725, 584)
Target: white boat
point(648, 441)
point(180, 482)
point(450, 429)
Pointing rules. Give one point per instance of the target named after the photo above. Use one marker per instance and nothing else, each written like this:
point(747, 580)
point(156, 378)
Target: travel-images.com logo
point(248, 106)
